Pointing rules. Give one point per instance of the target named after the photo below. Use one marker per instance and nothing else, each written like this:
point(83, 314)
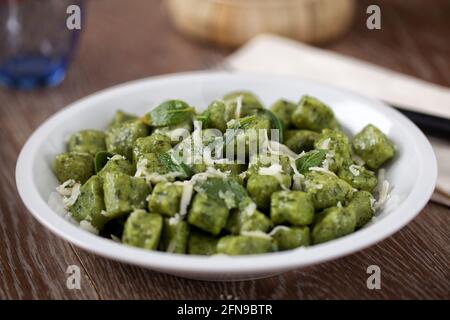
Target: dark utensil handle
point(432, 125)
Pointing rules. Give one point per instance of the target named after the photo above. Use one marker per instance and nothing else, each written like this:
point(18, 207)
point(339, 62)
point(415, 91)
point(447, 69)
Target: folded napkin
point(274, 54)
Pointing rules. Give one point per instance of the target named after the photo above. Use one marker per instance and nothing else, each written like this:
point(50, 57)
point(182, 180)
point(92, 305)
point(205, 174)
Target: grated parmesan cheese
point(294, 168)
point(154, 177)
point(274, 230)
point(175, 219)
point(64, 188)
point(297, 177)
point(185, 198)
point(69, 190)
point(303, 153)
point(362, 145)
point(297, 182)
point(328, 160)
point(243, 175)
point(319, 169)
point(357, 159)
point(237, 114)
point(115, 238)
point(383, 196)
point(256, 234)
point(372, 203)
point(68, 202)
point(86, 225)
point(229, 109)
point(250, 209)
point(273, 170)
point(197, 141)
point(279, 149)
point(117, 157)
point(210, 172)
point(141, 167)
point(228, 198)
point(325, 144)
point(382, 190)
point(354, 169)
point(276, 148)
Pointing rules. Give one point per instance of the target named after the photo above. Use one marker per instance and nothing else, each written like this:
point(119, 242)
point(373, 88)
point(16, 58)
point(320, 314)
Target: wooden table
point(123, 42)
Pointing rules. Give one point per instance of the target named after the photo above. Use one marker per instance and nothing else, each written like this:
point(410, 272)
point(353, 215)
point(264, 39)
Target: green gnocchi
point(235, 179)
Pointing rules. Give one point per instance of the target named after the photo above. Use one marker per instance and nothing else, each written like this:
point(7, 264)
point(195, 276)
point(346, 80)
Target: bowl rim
point(219, 264)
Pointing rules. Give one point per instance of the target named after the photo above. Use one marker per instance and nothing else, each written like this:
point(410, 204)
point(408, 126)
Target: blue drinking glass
point(36, 41)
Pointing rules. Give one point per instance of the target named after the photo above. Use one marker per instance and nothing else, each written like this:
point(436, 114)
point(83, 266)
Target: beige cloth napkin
point(274, 54)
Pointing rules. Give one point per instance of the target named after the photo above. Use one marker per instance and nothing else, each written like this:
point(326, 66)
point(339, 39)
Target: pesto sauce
point(135, 190)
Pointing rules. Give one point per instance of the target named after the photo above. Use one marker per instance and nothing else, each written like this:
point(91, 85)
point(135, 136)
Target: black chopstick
point(432, 125)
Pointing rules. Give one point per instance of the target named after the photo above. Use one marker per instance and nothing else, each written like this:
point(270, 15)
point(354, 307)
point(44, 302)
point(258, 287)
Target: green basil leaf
point(311, 159)
point(100, 159)
point(166, 160)
point(276, 123)
point(215, 186)
point(168, 113)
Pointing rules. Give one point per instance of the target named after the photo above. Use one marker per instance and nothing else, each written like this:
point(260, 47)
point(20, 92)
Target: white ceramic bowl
point(412, 173)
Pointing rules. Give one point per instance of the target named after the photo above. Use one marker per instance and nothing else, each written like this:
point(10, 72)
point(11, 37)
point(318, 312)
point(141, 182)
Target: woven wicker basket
point(233, 22)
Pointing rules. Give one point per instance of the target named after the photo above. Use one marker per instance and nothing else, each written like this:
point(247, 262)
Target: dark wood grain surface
point(128, 40)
